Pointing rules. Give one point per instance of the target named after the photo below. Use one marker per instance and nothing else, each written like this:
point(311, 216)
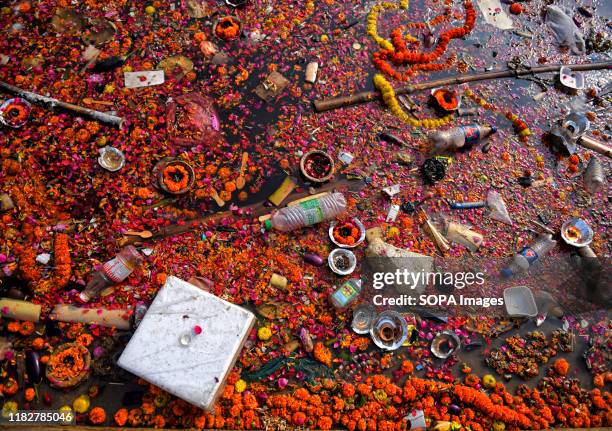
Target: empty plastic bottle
point(529, 255)
point(344, 295)
point(458, 137)
point(307, 213)
point(112, 272)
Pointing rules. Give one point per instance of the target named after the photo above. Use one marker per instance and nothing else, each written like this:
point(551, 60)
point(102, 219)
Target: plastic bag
point(192, 119)
point(565, 31)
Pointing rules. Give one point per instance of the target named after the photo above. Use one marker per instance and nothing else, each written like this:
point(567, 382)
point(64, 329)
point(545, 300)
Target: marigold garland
point(520, 127)
point(63, 264)
point(395, 51)
point(390, 99)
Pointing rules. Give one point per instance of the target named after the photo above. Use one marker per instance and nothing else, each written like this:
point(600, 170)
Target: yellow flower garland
point(372, 23)
point(381, 83)
point(390, 99)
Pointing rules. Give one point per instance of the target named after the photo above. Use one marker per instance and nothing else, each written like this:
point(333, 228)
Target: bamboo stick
point(595, 145)
point(52, 103)
point(322, 105)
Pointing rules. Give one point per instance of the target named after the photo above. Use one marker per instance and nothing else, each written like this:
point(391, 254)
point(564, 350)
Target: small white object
point(569, 79)
point(311, 72)
point(43, 258)
point(417, 419)
point(393, 212)
point(165, 352)
point(519, 302)
point(356, 46)
point(147, 251)
point(144, 78)
point(346, 158)
point(392, 190)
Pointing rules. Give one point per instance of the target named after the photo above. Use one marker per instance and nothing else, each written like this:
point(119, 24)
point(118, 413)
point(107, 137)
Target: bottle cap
point(268, 224)
point(493, 129)
point(84, 297)
point(506, 273)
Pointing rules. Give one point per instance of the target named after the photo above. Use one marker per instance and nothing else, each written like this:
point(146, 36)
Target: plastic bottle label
point(117, 270)
point(313, 211)
point(529, 254)
point(345, 294)
point(472, 133)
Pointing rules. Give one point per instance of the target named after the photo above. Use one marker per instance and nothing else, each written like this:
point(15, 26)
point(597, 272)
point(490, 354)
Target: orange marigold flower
point(407, 367)
point(97, 415)
point(29, 394)
point(322, 354)
point(26, 328)
point(13, 326)
point(159, 421)
point(10, 387)
point(84, 339)
point(561, 367)
point(38, 343)
point(348, 390)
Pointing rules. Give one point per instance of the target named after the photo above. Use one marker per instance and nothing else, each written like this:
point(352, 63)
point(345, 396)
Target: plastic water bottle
point(593, 176)
point(529, 255)
point(112, 272)
point(458, 137)
point(307, 213)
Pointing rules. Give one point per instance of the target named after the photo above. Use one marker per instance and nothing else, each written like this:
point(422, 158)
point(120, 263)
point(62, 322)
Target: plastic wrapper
point(565, 30)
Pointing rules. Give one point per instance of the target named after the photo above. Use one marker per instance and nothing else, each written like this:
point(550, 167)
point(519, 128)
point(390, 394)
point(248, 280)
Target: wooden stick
point(370, 96)
point(52, 103)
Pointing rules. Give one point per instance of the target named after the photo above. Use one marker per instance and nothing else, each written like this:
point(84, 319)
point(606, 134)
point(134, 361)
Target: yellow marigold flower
point(240, 386)
point(264, 333)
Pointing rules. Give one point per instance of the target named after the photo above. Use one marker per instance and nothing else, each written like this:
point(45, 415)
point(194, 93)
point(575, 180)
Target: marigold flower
point(561, 367)
point(26, 328)
point(97, 415)
point(29, 394)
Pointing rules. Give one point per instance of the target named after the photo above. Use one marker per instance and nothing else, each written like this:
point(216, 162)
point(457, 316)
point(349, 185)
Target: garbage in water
point(411, 198)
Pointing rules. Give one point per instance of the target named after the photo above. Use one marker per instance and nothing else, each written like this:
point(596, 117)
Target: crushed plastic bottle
point(307, 213)
point(458, 137)
point(593, 176)
point(529, 255)
point(112, 272)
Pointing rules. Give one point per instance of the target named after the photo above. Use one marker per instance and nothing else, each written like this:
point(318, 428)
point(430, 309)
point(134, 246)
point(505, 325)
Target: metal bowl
point(341, 253)
point(389, 330)
point(111, 158)
point(445, 344)
point(579, 226)
point(362, 233)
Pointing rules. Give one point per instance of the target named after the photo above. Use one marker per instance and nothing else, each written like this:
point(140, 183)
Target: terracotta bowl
point(165, 163)
point(317, 166)
point(55, 377)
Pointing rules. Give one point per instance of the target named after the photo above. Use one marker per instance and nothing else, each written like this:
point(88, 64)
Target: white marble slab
point(196, 372)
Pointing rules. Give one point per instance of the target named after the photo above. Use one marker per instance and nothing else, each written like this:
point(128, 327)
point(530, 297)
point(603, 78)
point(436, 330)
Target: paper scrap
point(494, 14)
point(145, 78)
